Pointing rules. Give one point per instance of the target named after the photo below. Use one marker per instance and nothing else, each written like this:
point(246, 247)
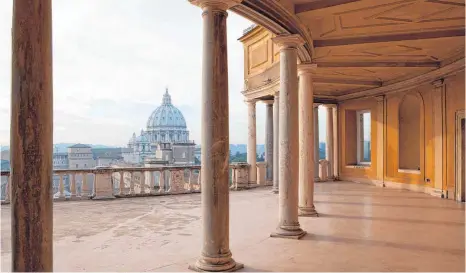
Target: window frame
point(360, 137)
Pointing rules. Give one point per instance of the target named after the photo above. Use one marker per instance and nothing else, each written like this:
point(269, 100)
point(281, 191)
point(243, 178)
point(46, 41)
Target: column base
point(289, 235)
point(290, 232)
point(275, 190)
point(203, 265)
point(307, 212)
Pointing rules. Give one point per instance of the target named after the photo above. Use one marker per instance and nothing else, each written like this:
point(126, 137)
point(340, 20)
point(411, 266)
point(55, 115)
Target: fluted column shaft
point(31, 136)
point(316, 142)
point(276, 142)
point(216, 255)
point(329, 142)
point(252, 153)
point(306, 143)
point(269, 141)
point(288, 225)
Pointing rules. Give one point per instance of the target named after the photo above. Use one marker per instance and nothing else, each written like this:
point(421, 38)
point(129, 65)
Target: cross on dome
point(167, 100)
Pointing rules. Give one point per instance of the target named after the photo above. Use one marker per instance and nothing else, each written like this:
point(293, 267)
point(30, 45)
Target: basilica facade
point(166, 138)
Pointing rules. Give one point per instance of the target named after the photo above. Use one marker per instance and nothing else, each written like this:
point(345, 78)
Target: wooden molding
point(319, 4)
point(320, 79)
point(390, 37)
point(378, 64)
point(410, 83)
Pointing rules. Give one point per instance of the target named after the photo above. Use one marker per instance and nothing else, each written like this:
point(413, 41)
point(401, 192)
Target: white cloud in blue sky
point(112, 60)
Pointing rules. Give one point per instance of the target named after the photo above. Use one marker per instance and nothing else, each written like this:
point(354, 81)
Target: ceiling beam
point(319, 79)
point(319, 4)
point(431, 76)
point(390, 38)
point(378, 64)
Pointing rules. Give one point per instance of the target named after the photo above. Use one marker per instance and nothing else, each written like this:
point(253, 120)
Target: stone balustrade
point(121, 182)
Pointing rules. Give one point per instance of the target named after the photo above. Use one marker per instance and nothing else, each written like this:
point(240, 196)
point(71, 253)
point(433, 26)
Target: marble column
point(329, 142)
point(306, 141)
point(316, 142)
point(380, 116)
point(215, 255)
point(252, 153)
point(438, 101)
point(275, 142)
point(288, 225)
point(269, 141)
point(31, 136)
point(336, 159)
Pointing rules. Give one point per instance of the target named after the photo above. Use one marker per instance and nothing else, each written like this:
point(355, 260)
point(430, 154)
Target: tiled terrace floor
point(361, 228)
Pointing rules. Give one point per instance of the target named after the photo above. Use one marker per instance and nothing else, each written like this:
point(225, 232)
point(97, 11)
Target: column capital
point(215, 4)
point(438, 83)
point(315, 105)
point(379, 98)
point(306, 68)
point(330, 105)
point(268, 102)
point(250, 101)
point(288, 41)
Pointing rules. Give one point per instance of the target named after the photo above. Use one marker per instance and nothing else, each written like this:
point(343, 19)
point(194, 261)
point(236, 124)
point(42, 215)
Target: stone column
point(275, 142)
point(288, 225)
point(380, 137)
point(306, 141)
point(252, 153)
point(269, 142)
point(336, 159)
point(31, 136)
point(316, 142)
point(329, 142)
point(438, 101)
point(215, 255)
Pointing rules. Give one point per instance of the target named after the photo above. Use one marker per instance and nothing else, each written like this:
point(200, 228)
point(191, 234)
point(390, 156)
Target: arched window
point(409, 141)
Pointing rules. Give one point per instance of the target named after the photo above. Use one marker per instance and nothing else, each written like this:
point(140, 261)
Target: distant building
point(165, 140)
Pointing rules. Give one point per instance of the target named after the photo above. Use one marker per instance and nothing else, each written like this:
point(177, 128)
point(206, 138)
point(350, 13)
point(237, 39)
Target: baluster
point(190, 184)
point(61, 187)
point(73, 185)
point(131, 183)
point(143, 183)
point(170, 180)
point(151, 182)
point(122, 183)
point(7, 188)
point(199, 180)
point(84, 188)
point(161, 182)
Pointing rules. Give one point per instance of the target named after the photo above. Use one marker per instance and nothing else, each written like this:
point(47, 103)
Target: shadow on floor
point(412, 221)
point(390, 205)
point(375, 243)
point(374, 196)
point(251, 269)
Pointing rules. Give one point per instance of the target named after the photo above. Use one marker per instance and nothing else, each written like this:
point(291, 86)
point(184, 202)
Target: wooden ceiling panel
point(369, 17)
point(375, 74)
point(328, 89)
point(428, 50)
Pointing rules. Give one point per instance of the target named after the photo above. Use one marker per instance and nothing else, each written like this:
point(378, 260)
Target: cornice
point(273, 16)
point(428, 77)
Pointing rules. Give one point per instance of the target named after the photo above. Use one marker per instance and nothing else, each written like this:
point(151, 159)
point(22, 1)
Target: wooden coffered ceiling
point(360, 45)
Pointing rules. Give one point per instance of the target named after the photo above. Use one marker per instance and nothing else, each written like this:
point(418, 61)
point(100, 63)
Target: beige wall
point(454, 101)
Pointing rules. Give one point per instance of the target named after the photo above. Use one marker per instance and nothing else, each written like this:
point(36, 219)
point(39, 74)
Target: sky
point(113, 59)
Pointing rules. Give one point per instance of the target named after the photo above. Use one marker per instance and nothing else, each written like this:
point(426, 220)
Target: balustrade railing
point(119, 182)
